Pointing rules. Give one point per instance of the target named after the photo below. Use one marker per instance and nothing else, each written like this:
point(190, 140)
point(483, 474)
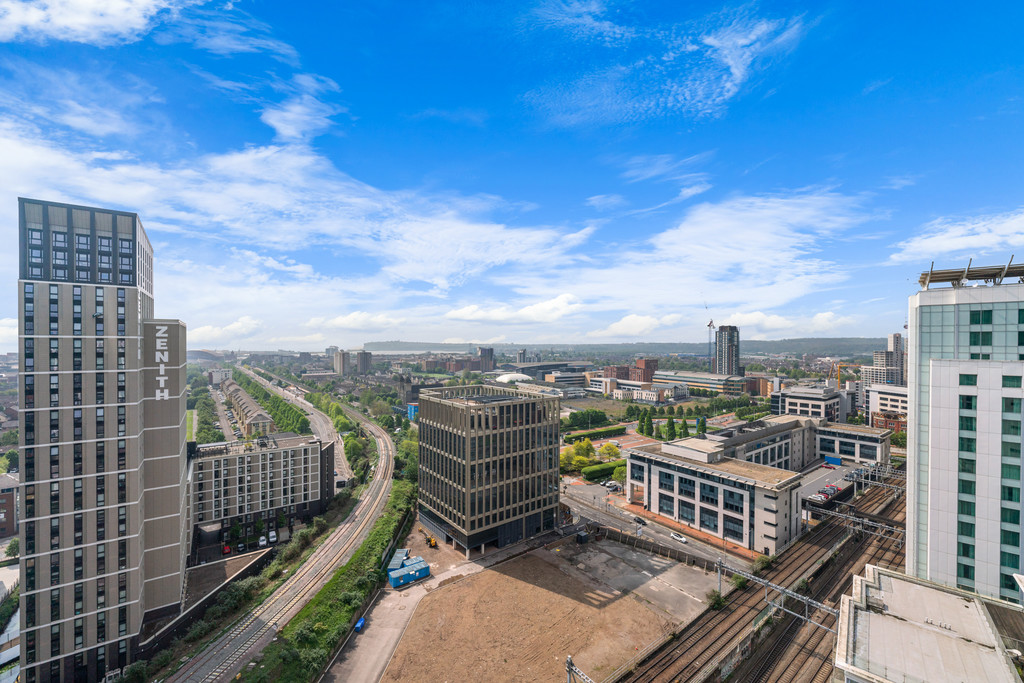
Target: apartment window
point(1009, 516)
point(1010, 560)
point(1011, 538)
point(30, 501)
point(30, 648)
point(54, 604)
point(122, 621)
point(30, 574)
point(101, 627)
point(101, 525)
point(55, 649)
point(79, 634)
point(122, 588)
point(54, 498)
point(981, 317)
point(967, 445)
point(1011, 405)
point(964, 571)
point(79, 598)
point(1011, 450)
point(968, 380)
point(122, 520)
point(1011, 472)
point(1012, 381)
point(78, 564)
point(965, 507)
point(965, 550)
point(981, 339)
point(54, 533)
point(1011, 494)
point(101, 490)
point(968, 424)
point(967, 487)
point(122, 554)
point(78, 528)
point(30, 610)
point(1011, 427)
point(101, 565)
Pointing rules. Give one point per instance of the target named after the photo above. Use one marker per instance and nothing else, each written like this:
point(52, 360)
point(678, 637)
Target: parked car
point(227, 550)
point(272, 536)
point(678, 537)
point(241, 547)
point(817, 498)
point(640, 520)
point(262, 542)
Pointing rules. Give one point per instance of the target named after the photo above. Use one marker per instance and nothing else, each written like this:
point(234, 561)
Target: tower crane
point(711, 334)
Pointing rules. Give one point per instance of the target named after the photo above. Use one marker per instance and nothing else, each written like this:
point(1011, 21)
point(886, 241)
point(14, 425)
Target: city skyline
point(446, 174)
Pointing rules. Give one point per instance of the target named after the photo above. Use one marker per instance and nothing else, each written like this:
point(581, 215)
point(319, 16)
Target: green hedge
point(603, 471)
point(595, 434)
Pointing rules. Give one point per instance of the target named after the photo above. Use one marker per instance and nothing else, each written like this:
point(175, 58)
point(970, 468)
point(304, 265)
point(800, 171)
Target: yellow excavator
point(431, 541)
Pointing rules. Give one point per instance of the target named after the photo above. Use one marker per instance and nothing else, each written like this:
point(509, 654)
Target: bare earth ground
point(518, 621)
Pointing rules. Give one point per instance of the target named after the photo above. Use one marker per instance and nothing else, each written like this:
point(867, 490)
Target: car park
point(678, 537)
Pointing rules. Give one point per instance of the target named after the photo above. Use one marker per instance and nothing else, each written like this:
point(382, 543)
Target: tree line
point(286, 417)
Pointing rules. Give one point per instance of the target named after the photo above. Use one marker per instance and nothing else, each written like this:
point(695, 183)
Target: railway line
point(694, 653)
point(224, 657)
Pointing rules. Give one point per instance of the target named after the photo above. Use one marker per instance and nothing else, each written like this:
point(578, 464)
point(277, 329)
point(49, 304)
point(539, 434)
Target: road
point(228, 655)
point(593, 502)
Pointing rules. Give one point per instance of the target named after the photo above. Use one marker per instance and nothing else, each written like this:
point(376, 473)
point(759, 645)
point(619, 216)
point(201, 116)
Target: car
point(678, 537)
point(828, 466)
point(241, 547)
point(272, 536)
point(262, 543)
point(227, 550)
point(823, 492)
point(640, 520)
point(817, 498)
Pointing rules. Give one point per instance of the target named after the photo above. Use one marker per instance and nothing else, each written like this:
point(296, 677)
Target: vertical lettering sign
point(162, 358)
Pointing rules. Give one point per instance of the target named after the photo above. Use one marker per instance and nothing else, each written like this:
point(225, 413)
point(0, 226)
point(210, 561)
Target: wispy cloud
point(304, 114)
point(898, 182)
point(634, 326)
point(651, 72)
point(241, 328)
point(463, 116)
point(357, 320)
point(549, 311)
point(228, 31)
point(605, 202)
point(663, 167)
point(96, 22)
point(968, 236)
point(876, 85)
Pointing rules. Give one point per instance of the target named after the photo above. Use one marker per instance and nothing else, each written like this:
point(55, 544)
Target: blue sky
point(591, 171)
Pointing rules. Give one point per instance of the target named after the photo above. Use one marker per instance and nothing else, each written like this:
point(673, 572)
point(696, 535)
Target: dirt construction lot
point(518, 621)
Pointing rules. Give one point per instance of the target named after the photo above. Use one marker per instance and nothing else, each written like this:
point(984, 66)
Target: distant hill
point(818, 346)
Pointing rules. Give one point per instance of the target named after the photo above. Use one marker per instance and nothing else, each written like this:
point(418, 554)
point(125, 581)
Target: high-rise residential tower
point(727, 350)
point(488, 464)
point(364, 361)
point(486, 358)
point(105, 513)
point(966, 344)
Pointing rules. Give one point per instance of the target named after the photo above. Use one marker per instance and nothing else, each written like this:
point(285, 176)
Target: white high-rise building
point(966, 344)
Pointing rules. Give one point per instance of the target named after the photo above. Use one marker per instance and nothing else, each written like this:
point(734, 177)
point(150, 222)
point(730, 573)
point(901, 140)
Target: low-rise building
point(888, 406)
point(867, 445)
point(243, 482)
point(690, 482)
point(822, 402)
point(898, 628)
point(9, 504)
point(217, 376)
point(731, 385)
point(251, 417)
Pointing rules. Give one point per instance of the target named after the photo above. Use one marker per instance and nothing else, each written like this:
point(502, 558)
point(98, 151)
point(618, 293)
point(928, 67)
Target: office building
point(690, 482)
point(730, 385)
point(330, 351)
point(104, 526)
point(964, 437)
point(486, 358)
point(616, 371)
point(888, 366)
point(488, 464)
point(888, 406)
point(364, 361)
point(809, 402)
point(727, 351)
point(521, 356)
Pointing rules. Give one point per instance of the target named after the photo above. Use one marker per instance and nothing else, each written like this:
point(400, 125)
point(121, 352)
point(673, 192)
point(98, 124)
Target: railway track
point(694, 651)
point(799, 652)
point(226, 655)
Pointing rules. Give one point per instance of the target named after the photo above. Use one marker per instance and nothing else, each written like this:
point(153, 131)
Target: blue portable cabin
point(408, 574)
point(398, 559)
point(412, 560)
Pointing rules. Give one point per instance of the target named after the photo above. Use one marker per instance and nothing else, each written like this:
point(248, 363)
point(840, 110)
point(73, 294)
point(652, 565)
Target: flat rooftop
point(855, 429)
point(272, 442)
point(899, 628)
point(732, 467)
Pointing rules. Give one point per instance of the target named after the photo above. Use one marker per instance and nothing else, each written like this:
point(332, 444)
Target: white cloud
point(8, 333)
point(97, 22)
point(604, 202)
point(241, 328)
point(356, 320)
point(227, 32)
point(899, 182)
point(661, 71)
point(976, 236)
point(582, 19)
point(662, 166)
point(634, 326)
point(459, 340)
point(757, 324)
point(303, 340)
point(547, 311)
point(303, 115)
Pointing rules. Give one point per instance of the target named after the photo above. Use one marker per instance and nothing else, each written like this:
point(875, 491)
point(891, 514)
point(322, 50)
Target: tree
point(686, 428)
point(12, 548)
point(12, 459)
point(702, 425)
point(670, 429)
point(583, 449)
point(609, 451)
point(565, 460)
point(670, 410)
point(650, 426)
point(898, 439)
point(9, 438)
point(619, 475)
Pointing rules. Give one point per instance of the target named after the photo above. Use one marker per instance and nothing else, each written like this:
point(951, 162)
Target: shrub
point(163, 659)
point(603, 471)
point(595, 434)
point(319, 525)
point(198, 630)
point(763, 563)
point(739, 581)
point(135, 672)
point(715, 600)
point(313, 659)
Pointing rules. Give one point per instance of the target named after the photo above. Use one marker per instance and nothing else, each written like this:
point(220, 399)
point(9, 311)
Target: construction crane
point(711, 335)
point(573, 673)
point(838, 369)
